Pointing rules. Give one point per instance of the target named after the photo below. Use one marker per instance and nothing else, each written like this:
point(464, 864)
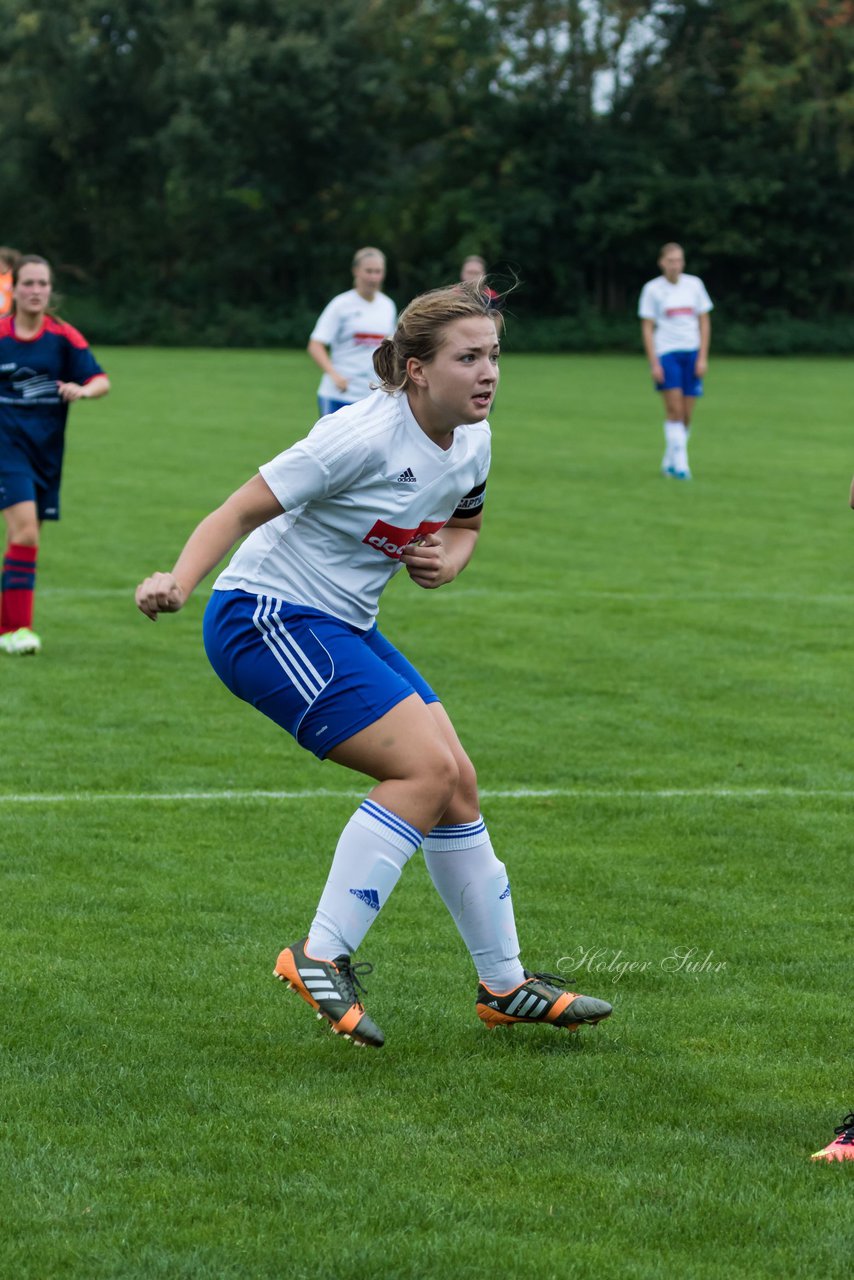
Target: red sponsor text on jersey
point(368, 339)
point(391, 541)
point(680, 311)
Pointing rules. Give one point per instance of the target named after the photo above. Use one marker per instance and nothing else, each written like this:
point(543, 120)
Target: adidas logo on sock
point(369, 896)
point(406, 477)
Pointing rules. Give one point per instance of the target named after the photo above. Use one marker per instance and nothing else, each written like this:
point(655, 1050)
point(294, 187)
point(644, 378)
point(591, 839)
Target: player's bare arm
point(647, 333)
point(323, 360)
point(437, 558)
point(702, 362)
point(249, 507)
point(91, 390)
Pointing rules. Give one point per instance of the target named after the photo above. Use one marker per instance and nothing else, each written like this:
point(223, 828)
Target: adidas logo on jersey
point(406, 477)
point(370, 897)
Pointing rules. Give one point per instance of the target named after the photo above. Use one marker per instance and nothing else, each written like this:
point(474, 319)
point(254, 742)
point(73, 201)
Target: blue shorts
point(327, 405)
point(679, 373)
point(316, 676)
point(23, 486)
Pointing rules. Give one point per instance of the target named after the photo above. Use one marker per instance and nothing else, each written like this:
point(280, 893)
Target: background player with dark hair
point(45, 365)
point(397, 480)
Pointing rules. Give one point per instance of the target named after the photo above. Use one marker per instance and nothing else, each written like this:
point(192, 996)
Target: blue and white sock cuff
point(399, 833)
point(463, 835)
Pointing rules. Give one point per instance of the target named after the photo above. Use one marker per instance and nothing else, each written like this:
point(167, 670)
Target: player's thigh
point(404, 743)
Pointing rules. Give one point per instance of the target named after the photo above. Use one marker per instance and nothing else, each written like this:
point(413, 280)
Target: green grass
point(671, 662)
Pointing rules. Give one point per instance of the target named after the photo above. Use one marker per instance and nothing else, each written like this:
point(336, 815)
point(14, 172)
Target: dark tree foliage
point(207, 167)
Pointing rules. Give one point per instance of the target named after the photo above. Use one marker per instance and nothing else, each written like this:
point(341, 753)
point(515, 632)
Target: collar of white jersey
point(415, 426)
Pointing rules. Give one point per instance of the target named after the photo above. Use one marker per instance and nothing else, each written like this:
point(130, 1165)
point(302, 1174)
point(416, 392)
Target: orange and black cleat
point(538, 999)
point(329, 986)
point(842, 1146)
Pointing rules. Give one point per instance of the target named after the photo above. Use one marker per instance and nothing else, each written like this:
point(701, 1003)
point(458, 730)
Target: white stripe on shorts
point(291, 658)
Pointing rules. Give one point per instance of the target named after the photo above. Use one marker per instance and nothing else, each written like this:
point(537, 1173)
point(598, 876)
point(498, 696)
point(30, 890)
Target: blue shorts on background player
point(680, 373)
point(394, 481)
point(45, 365)
point(676, 331)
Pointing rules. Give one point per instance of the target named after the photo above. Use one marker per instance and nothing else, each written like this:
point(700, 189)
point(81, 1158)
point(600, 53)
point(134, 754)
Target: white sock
point(674, 436)
point(473, 885)
point(372, 851)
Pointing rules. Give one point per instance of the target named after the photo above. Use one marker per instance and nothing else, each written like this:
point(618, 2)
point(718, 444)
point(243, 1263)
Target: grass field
point(654, 679)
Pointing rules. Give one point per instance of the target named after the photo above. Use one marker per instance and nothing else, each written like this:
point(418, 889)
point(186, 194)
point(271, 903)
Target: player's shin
point(473, 885)
point(372, 851)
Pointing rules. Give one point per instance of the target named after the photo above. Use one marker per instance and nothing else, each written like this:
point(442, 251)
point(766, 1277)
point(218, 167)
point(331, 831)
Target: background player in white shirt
point(395, 481)
point(676, 330)
point(348, 332)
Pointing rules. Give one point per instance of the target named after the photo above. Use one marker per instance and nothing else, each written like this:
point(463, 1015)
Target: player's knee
point(24, 533)
point(467, 784)
point(441, 774)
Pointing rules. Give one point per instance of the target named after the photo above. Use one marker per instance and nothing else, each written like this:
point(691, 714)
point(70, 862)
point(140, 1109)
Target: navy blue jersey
point(32, 412)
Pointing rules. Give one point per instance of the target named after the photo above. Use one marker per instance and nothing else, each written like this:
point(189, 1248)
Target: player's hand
point(656, 371)
point(701, 364)
point(426, 561)
point(159, 594)
point(340, 381)
point(71, 391)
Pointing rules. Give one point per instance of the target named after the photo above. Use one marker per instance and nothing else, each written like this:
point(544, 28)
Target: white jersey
point(364, 483)
point(353, 328)
point(675, 308)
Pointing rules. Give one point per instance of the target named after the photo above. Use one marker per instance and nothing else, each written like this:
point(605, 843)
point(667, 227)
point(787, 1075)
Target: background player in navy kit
point(397, 480)
point(348, 332)
point(45, 365)
point(676, 330)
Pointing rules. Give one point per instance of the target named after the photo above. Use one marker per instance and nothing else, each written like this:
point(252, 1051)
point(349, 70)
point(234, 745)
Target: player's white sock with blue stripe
point(473, 885)
point(372, 851)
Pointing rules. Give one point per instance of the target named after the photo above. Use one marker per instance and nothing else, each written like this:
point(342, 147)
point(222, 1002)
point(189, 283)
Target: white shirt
point(363, 484)
point(353, 328)
point(675, 308)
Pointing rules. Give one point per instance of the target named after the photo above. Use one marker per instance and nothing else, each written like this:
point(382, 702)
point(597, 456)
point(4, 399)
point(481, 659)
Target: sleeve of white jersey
point(646, 306)
point(326, 329)
point(327, 461)
point(704, 302)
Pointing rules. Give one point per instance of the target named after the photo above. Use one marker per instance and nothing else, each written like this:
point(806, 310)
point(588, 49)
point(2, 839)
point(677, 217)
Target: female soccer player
point(45, 365)
point(676, 329)
point(348, 332)
point(397, 479)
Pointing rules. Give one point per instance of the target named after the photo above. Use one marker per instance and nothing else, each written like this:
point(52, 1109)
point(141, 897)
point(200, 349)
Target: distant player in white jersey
point(676, 328)
point(397, 480)
point(348, 332)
